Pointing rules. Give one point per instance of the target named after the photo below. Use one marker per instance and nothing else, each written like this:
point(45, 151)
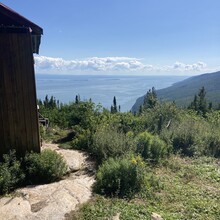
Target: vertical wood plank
point(19, 127)
point(4, 66)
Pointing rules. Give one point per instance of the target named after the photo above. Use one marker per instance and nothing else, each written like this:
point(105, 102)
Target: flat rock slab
point(50, 201)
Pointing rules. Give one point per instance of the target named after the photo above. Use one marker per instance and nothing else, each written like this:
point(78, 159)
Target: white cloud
point(45, 64)
point(199, 66)
point(105, 64)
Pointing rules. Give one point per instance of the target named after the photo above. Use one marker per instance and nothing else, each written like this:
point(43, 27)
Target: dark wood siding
point(18, 108)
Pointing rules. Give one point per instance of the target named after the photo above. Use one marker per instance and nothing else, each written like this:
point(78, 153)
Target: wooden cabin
point(19, 39)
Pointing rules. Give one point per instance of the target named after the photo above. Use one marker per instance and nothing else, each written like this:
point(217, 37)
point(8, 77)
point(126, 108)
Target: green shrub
point(212, 144)
point(109, 142)
point(120, 176)
point(46, 167)
point(157, 118)
point(184, 141)
point(82, 138)
point(11, 174)
point(151, 147)
point(188, 137)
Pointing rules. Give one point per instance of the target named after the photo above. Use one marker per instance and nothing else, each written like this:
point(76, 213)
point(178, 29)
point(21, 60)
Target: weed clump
point(109, 142)
point(120, 176)
point(11, 173)
point(46, 167)
point(151, 147)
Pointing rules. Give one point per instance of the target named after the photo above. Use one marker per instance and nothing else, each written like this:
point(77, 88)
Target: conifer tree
point(46, 101)
point(140, 109)
point(52, 102)
point(77, 99)
point(199, 103)
point(114, 107)
point(150, 99)
point(194, 104)
point(202, 101)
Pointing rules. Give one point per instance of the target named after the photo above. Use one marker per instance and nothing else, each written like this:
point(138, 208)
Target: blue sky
point(163, 37)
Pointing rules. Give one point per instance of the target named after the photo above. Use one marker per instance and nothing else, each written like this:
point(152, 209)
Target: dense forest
point(183, 92)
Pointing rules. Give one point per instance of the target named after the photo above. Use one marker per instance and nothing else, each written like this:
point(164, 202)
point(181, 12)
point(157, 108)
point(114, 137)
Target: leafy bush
point(11, 174)
point(46, 167)
point(159, 117)
point(108, 142)
point(35, 168)
point(184, 141)
point(212, 144)
point(189, 137)
point(151, 147)
point(120, 176)
point(82, 138)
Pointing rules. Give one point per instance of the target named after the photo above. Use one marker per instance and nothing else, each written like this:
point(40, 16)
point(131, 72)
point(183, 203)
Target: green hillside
point(183, 92)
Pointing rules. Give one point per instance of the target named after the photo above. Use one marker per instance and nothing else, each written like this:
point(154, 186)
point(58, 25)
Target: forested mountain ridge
point(183, 92)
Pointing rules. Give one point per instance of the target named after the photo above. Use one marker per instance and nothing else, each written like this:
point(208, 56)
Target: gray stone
point(155, 216)
point(51, 201)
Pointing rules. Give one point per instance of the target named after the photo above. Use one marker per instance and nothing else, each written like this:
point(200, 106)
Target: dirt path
point(52, 201)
